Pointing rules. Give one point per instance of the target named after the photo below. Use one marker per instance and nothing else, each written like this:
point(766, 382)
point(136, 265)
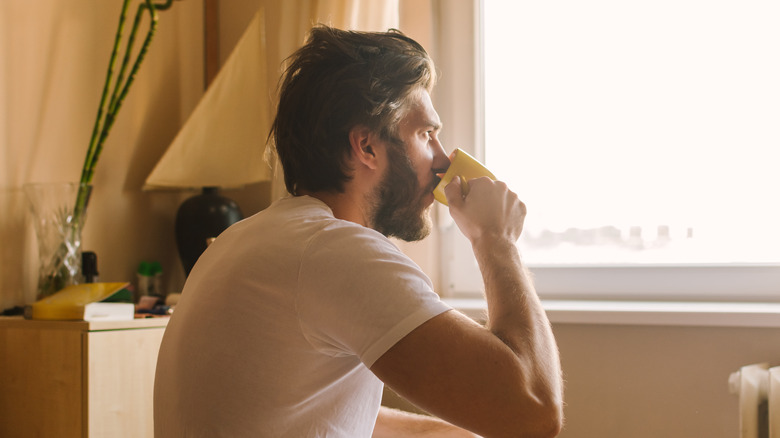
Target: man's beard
point(399, 203)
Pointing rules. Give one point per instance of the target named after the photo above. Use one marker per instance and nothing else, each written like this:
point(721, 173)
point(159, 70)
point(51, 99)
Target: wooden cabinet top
point(18, 322)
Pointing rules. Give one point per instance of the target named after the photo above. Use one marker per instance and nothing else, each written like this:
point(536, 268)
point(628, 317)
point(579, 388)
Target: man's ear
point(364, 146)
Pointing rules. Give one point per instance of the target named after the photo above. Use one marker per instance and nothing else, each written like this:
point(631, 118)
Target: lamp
point(220, 146)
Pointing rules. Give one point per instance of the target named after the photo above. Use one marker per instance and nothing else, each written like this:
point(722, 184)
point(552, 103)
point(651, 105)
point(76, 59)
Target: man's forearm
point(516, 315)
point(510, 369)
point(392, 423)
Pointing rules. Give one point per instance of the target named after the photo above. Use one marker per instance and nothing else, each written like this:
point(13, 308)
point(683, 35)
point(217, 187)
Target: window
point(643, 138)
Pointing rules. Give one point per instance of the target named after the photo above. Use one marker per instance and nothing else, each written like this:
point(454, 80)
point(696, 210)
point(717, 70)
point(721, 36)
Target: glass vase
point(58, 231)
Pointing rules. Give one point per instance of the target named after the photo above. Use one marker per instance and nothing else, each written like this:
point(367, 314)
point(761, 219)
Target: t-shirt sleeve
point(359, 294)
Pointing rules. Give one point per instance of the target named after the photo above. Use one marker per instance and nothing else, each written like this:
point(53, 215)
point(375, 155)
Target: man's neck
point(348, 206)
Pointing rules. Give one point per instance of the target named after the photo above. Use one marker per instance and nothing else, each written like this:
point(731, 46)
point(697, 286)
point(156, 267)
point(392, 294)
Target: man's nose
point(441, 161)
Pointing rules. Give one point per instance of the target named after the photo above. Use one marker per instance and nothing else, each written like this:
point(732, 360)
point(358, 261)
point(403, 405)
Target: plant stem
point(106, 86)
point(103, 124)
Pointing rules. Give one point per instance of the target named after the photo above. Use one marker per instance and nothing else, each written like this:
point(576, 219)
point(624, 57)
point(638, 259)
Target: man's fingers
point(453, 192)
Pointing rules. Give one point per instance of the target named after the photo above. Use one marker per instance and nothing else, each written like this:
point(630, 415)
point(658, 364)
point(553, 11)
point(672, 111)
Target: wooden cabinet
point(77, 378)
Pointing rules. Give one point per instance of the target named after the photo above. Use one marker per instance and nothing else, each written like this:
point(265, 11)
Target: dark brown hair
point(337, 80)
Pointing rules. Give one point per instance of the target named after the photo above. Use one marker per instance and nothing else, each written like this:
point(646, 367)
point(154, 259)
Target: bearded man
point(293, 320)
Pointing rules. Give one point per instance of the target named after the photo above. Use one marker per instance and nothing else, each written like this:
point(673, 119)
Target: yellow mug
point(466, 167)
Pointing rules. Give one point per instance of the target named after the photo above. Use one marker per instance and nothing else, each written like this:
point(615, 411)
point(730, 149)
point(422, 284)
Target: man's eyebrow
point(435, 125)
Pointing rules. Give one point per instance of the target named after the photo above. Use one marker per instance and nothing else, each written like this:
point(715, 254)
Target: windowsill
point(695, 314)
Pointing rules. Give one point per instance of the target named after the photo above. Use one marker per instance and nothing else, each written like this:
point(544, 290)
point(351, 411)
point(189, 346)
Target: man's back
point(265, 341)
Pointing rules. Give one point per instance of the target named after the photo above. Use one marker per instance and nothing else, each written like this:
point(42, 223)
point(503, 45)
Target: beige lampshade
point(222, 143)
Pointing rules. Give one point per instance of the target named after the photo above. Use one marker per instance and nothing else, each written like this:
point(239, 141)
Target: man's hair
point(336, 81)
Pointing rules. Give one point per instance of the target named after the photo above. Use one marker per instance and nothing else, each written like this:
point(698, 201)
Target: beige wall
point(53, 59)
point(655, 381)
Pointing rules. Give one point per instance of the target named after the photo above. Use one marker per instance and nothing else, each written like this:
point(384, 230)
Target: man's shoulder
point(299, 206)
point(345, 236)
point(301, 210)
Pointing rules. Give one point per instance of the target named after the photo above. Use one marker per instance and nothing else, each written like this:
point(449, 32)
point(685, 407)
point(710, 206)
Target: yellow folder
point(89, 301)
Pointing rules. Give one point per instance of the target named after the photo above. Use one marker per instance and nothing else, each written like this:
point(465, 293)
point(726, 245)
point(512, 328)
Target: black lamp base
point(201, 218)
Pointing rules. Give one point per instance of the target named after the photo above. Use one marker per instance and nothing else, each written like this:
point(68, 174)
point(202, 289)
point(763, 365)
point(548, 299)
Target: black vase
point(200, 219)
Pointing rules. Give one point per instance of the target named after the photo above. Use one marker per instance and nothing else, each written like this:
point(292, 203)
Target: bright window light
point(641, 132)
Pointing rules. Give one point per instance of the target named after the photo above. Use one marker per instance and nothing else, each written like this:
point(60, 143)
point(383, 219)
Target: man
point(292, 319)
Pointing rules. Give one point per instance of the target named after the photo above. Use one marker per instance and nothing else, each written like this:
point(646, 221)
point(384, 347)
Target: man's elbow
point(551, 423)
point(545, 420)
point(552, 406)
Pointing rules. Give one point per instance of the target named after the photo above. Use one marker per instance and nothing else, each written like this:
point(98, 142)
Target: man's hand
point(489, 209)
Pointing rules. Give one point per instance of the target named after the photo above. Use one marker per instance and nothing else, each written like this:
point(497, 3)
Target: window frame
point(459, 275)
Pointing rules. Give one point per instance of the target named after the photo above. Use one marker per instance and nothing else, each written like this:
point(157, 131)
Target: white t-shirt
point(279, 323)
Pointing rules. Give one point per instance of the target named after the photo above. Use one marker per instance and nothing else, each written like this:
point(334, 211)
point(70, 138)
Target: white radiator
point(758, 389)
